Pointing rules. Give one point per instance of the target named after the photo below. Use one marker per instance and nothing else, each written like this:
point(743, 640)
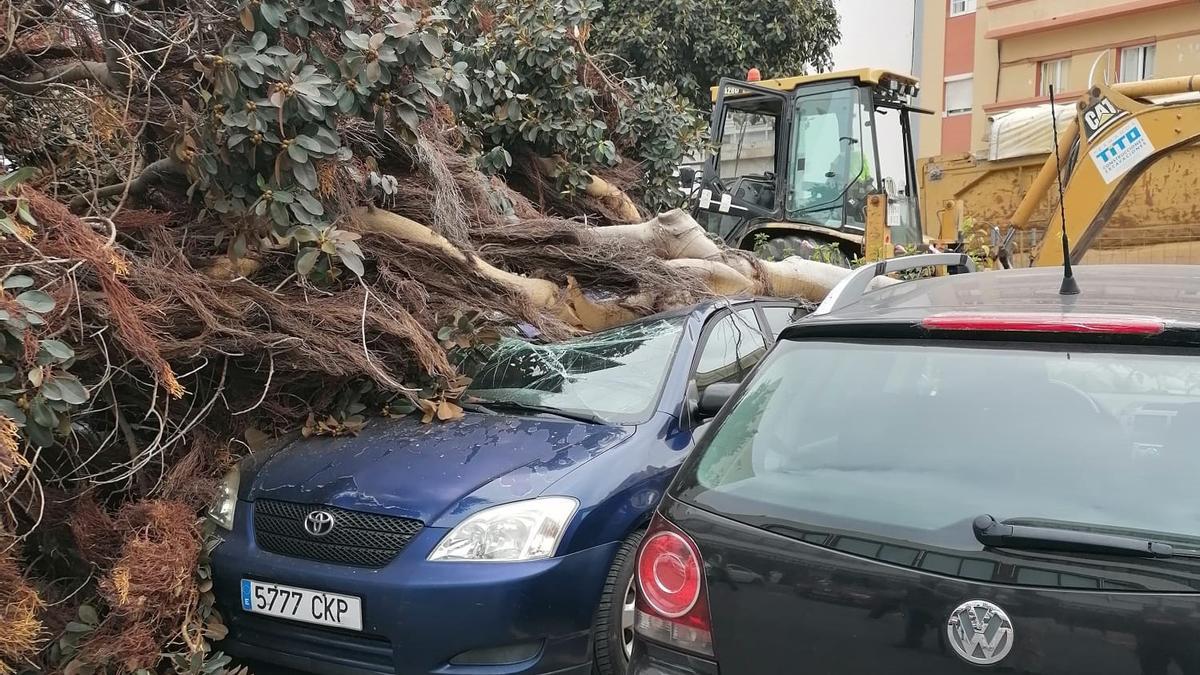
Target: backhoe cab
point(819, 166)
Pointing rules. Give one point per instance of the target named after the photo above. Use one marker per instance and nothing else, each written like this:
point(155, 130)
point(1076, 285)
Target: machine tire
point(608, 631)
point(778, 248)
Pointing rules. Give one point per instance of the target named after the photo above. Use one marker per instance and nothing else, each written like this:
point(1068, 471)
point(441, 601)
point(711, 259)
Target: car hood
point(400, 467)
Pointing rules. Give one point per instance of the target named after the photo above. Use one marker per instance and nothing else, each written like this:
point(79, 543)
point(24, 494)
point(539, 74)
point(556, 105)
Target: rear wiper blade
point(991, 532)
point(545, 410)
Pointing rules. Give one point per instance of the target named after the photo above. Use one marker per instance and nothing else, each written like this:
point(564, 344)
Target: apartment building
point(982, 57)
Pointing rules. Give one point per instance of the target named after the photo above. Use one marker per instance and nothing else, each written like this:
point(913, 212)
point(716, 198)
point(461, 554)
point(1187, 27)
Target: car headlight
point(225, 503)
point(525, 530)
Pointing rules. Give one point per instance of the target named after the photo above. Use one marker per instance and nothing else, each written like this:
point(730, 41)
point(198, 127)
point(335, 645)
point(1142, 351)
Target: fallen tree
point(222, 222)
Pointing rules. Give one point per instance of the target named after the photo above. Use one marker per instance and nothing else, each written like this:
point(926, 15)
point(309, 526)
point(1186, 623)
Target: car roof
point(1168, 292)
point(705, 307)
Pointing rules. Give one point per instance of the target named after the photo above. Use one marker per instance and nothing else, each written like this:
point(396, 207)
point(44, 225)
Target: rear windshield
point(913, 441)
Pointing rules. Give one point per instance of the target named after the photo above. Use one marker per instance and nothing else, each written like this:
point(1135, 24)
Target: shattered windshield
point(615, 375)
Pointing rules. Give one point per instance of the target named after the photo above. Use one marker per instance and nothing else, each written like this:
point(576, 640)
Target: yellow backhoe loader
point(822, 166)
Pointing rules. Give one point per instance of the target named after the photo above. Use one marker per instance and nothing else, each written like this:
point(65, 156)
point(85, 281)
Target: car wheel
point(613, 629)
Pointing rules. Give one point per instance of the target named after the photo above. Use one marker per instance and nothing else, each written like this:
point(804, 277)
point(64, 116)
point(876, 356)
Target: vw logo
point(980, 632)
point(318, 523)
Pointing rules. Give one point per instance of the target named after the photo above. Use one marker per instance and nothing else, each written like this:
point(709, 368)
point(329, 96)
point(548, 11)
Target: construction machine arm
point(1114, 139)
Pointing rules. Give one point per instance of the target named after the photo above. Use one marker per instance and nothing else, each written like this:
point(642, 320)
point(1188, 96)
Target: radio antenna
point(1069, 286)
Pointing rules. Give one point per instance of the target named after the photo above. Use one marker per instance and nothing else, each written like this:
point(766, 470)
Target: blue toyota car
point(499, 544)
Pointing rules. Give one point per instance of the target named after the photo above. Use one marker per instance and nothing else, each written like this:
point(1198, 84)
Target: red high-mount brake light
point(672, 605)
point(1046, 322)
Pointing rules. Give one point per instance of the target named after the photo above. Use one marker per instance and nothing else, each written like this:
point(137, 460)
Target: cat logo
point(1099, 115)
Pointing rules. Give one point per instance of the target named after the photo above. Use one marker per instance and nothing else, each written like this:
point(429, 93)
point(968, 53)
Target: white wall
point(875, 34)
point(880, 34)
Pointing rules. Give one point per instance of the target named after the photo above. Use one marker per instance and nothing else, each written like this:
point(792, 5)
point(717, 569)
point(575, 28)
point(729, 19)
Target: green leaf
point(10, 410)
point(306, 261)
point(305, 175)
point(279, 214)
point(58, 350)
point(310, 203)
point(309, 143)
point(250, 78)
point(445, 332)
point(43, 414)
point(301, 215)
point(36, 301)
point(23, 212)
point(433, 45)
point(372, 72)
point(43, 437)
point(297, 153)
point(303, 234)
point(7, 226)
point(87, 613)
point(408, 116)
point(70, 390)
point(356, 40)
point(272, 14)
point(7, 373)
point(76, 627)
point(18, 281)
point(298, 26)
point(259, 41)
point(352, 262)
point(402, 27)
point(15, 178)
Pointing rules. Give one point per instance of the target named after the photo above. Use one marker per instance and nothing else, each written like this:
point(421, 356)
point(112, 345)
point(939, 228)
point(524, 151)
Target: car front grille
point(357, 538)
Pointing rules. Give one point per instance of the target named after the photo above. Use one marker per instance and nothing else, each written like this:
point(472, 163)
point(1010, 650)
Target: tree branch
point(106, 23)
point(64, 74)
point(137, 187)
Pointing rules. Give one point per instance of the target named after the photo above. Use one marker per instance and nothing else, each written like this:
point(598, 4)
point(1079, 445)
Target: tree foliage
point(530, 88)
point(694, 43)
point(223, 221)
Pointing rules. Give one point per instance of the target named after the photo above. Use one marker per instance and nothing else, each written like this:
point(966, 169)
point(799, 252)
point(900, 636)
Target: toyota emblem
point(318, 523)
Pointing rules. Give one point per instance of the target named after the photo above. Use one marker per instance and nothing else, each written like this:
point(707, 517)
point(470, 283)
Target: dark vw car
point(962, 474)
point(500, 544)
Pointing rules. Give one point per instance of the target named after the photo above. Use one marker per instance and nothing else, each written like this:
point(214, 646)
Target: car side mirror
point(687, 177)
point(714, 397)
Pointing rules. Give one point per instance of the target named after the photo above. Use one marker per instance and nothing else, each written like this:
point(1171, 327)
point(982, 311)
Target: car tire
point(612, 630)
point(778, 248)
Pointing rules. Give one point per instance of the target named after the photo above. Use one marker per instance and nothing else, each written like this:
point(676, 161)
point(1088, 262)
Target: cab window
point(732, 346)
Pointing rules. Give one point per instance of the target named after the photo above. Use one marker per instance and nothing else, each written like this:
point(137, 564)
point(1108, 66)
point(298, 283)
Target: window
point(780, 317)
point(748, 142)
point(1057, 73)
point(960, 96)
point(731, 348)
point(833, 157)
point(1137, 63)
point(795, 449)
point(960, 7)
point(615, 374)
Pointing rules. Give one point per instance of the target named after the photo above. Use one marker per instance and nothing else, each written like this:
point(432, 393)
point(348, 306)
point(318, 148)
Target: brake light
point(672, 605)
point(753, 75)
point(1047, 322)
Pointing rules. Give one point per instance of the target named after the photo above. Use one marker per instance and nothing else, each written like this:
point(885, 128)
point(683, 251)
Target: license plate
point(302, 604)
